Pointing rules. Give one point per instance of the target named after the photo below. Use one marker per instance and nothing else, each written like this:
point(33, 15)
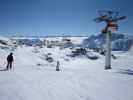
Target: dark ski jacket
point(10, 58)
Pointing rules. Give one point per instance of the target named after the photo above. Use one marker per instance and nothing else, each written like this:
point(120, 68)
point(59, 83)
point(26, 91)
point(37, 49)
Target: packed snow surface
point(79, 78)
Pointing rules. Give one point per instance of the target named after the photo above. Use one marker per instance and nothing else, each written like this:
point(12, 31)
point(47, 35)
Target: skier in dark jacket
point(10, 61)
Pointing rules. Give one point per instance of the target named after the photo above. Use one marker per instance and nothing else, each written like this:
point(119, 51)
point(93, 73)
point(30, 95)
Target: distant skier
point(58, 66)
point(10, 61)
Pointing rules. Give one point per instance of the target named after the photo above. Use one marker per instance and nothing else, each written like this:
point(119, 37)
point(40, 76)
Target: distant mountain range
point(119, 42)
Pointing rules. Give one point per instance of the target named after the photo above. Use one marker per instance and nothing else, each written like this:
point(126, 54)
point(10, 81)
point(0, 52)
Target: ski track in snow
point(25, 86)
point(32, 84)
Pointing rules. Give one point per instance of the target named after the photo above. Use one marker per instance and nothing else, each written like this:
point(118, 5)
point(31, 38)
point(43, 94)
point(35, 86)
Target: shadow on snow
point(126, 71)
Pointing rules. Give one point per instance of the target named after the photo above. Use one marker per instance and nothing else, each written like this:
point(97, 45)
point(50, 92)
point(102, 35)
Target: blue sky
point(57, 17)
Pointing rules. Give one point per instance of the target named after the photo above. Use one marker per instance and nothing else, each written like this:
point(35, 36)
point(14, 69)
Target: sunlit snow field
point(79, 78)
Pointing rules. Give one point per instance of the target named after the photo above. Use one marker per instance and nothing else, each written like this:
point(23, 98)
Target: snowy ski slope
point(79, 79)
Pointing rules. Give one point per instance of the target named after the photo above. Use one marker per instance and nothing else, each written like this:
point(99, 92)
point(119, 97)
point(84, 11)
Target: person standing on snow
point(58, 66)
point(10, 61)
